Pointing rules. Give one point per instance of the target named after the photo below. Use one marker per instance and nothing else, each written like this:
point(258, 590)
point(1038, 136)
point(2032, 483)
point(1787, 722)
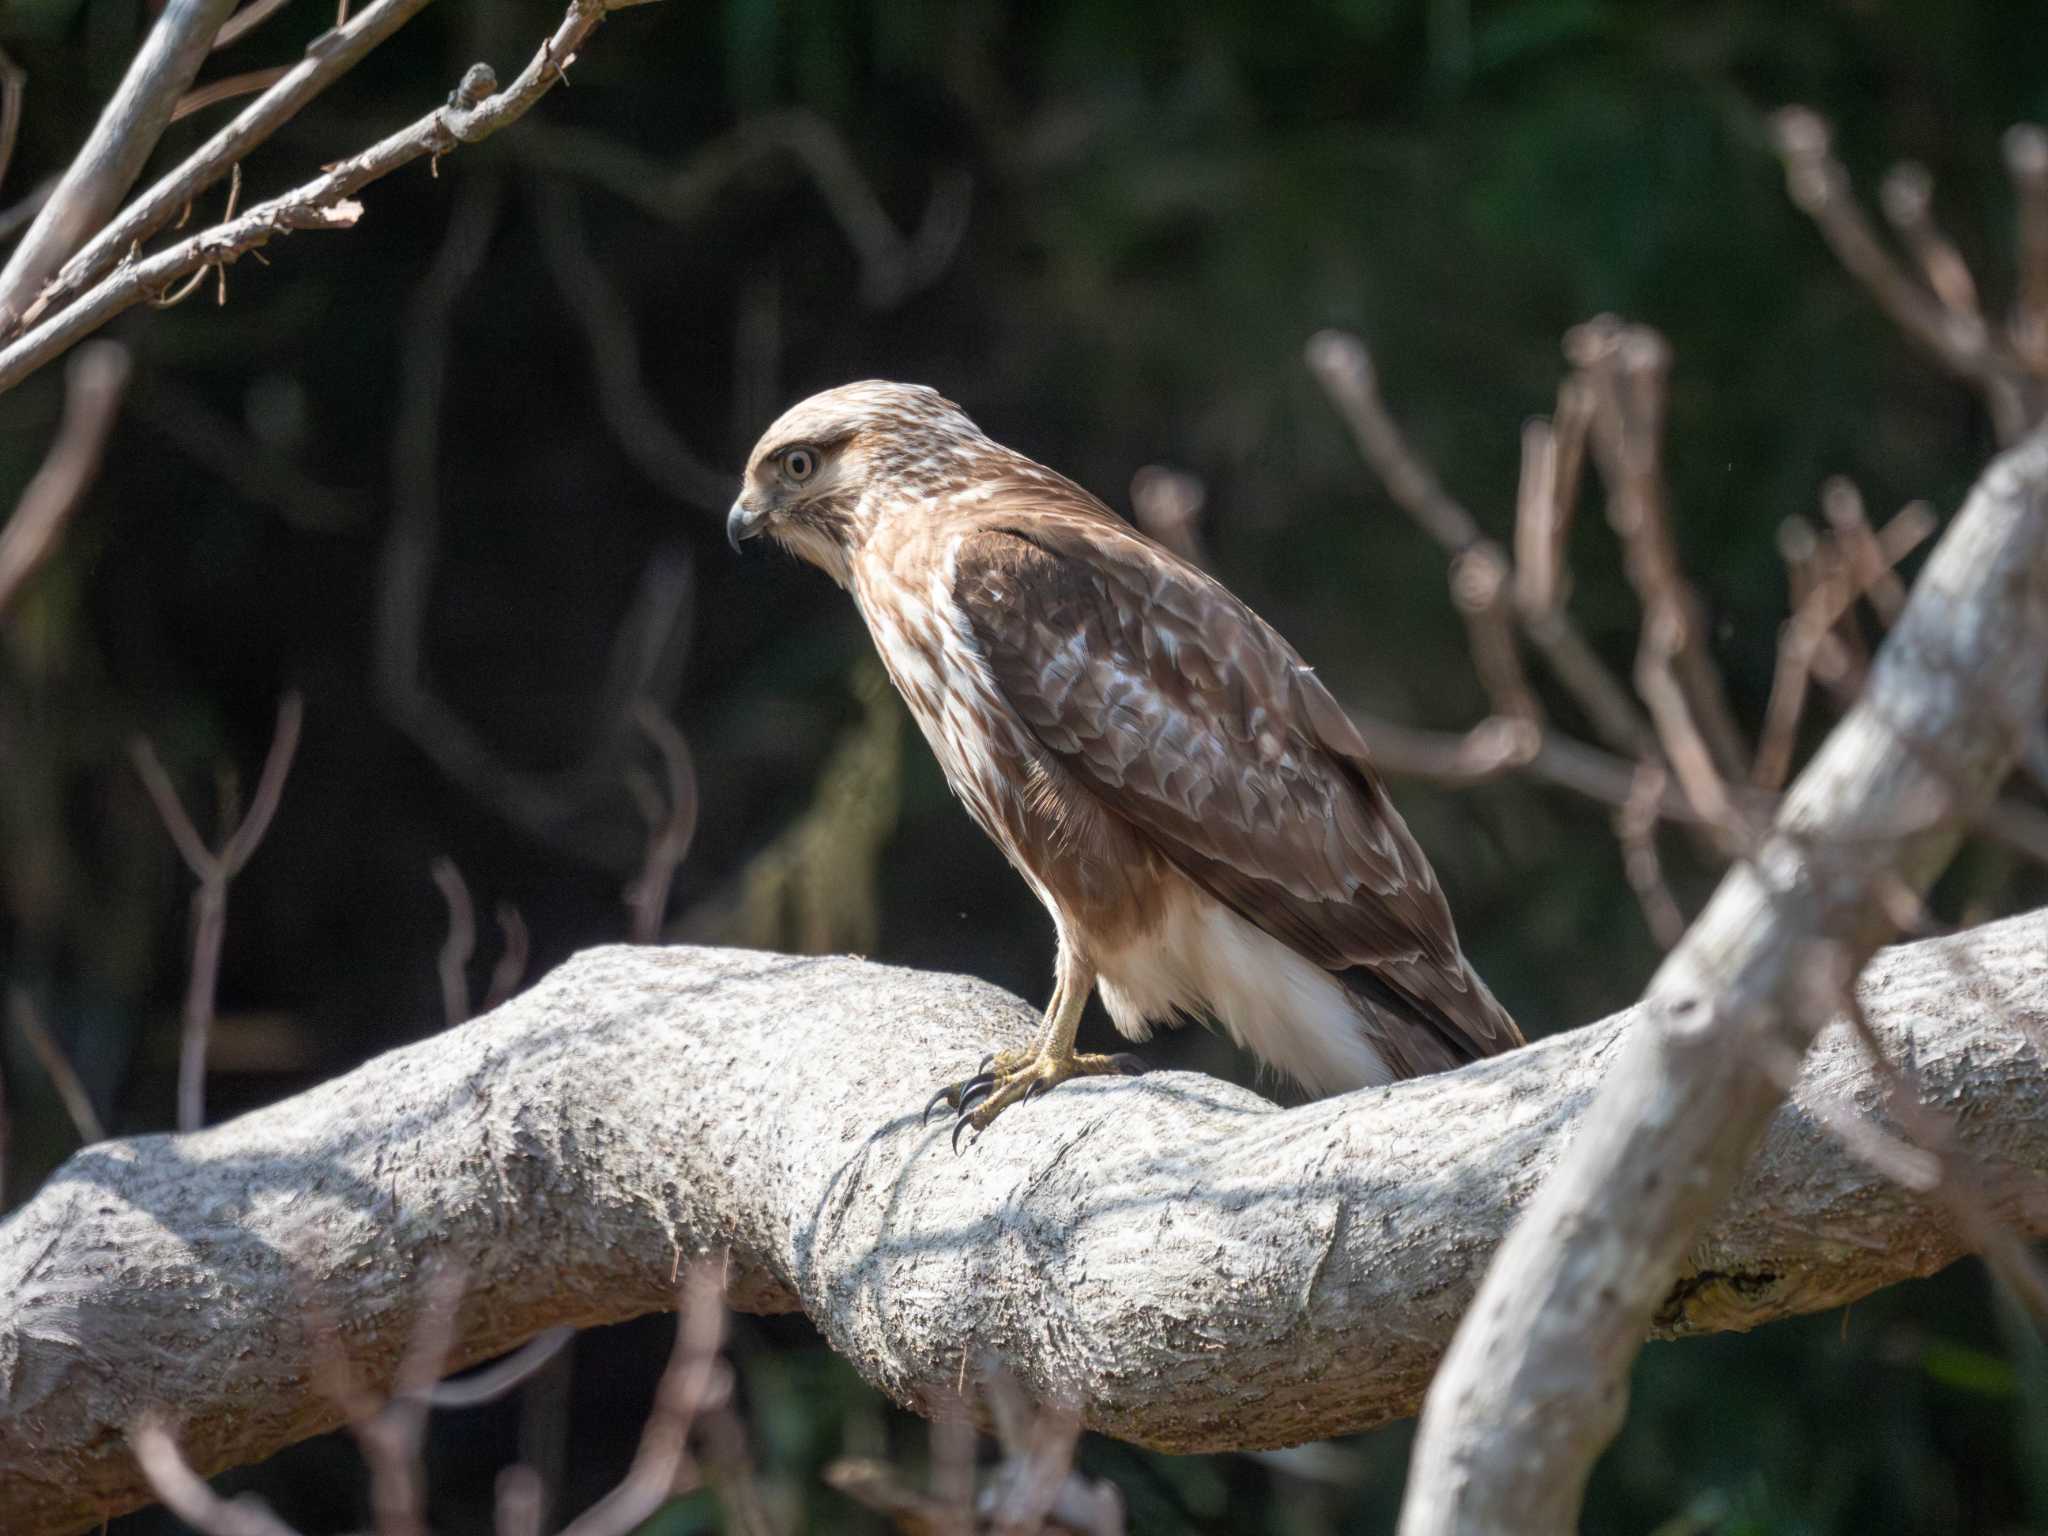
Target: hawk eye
point(799, 464)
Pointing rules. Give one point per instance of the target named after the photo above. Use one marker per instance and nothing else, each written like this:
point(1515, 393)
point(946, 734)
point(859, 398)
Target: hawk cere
point(1179, 788)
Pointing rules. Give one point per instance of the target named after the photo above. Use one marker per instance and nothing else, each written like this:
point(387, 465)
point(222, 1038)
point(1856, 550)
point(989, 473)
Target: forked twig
point(214, 869)
point(93, 386)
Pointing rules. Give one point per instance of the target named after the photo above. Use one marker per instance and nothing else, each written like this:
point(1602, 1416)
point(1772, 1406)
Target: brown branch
point(1907, 197)
point(1567, 1300)
point(116, 150)
point(329, 57)
point(245, 21)
point(13, 91)
point(1625, 368)
point(227, 88)
point(892, 265)
point(93, 386)
point(1342, 365)
point(647, 649)
point(56, 1065)
point(2026, 163)
point(1958, 339)
point(459, 946)
point(1166, 504)
point(214, 870)
point(637, 424)
point(671, 817)
point(323, 203)
point(510, 970)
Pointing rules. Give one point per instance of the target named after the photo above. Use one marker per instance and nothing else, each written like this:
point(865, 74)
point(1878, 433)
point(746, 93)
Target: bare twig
point(1344, 368)
point(118, 147)
point(671, 819)
point(647, 650)
point(1825, 590)
point(459, 946)
point(93, 386)
point(1479, 591)
point(248, 83)
point(63, 1076)
point(892, 266)
point(1567, 1299)
point(510, 970)
point(637, 423)
point(507, 1375)
point(1635, 827)
point(13, 89)
point(323, 203)
point(1955, 335)
point(696, 1381)
point(330, 56)
point(214, 870)
point(2026, 162)
point(185, 1493)
point(245, 21)
point(1907, 198)
point(1626, 368)
point(1166, 504)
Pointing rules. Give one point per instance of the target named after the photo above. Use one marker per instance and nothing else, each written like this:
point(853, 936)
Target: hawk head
point(833, 466)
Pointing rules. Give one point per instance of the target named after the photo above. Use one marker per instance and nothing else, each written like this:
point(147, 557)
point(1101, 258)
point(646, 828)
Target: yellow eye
point(799, 464)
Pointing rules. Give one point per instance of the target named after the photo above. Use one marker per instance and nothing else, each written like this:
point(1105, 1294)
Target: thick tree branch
point(1187, 1265)
point(330, 56)
point(477, 110)
point(118, 147)
point(1536, 1383)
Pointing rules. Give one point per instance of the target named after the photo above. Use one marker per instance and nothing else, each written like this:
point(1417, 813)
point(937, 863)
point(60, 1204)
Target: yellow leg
point(1048, 1061)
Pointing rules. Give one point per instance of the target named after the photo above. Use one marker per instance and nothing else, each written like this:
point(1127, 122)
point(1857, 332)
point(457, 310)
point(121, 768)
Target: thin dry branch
point(893, 265)
point(28, 1022)
point(472, 115)
point(116, 150)
point(93, 386)
point(214, 869)
point(647, 649)
point(637, 423)
point(1955, 690)
point(328, 57)
point(457, 949)
point(671, 817)
point(1217, 1272)
point(1938, 318)
point(1342, 365)
point(13, 90)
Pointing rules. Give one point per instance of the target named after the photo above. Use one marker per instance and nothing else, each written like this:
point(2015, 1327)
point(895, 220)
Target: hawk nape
point(1185, 796)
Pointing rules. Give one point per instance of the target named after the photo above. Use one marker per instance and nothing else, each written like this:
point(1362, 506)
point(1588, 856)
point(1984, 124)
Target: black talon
point(991, 1056)
point(945, 1095)
point(1129, 1065)
point(958, 1126)
point(972, 1092)
point(1038, 1085)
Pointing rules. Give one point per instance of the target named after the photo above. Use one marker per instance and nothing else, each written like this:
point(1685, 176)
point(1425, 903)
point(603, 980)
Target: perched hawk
point(1182, 792)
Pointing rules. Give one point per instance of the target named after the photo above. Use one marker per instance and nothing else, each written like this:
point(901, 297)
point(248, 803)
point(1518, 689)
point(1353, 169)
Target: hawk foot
point(1020, 1076)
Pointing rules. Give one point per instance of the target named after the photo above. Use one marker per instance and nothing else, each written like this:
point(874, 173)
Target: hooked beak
point(742, 523)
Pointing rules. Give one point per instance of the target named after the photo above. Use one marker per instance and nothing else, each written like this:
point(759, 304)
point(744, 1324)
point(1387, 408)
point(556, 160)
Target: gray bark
point(1190, 1266)
point(1537, 1381)
point(119, 146)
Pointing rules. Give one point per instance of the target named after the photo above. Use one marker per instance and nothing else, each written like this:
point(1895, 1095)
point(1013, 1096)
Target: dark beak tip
point(739, 527)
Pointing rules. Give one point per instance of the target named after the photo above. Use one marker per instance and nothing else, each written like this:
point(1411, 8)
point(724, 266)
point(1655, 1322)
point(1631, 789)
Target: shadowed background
point(459, 476)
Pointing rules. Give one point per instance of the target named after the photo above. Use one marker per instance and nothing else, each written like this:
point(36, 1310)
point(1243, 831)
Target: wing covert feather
point(1188, 716)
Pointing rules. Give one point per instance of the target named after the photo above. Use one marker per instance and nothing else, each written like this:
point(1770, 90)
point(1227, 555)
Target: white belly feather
point(1286, 1010)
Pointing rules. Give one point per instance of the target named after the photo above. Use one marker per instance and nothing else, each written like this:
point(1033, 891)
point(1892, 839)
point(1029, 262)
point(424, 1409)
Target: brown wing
point(1184, 713)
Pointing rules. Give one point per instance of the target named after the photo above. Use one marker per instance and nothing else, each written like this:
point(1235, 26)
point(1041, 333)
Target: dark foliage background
point(1162, 202)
